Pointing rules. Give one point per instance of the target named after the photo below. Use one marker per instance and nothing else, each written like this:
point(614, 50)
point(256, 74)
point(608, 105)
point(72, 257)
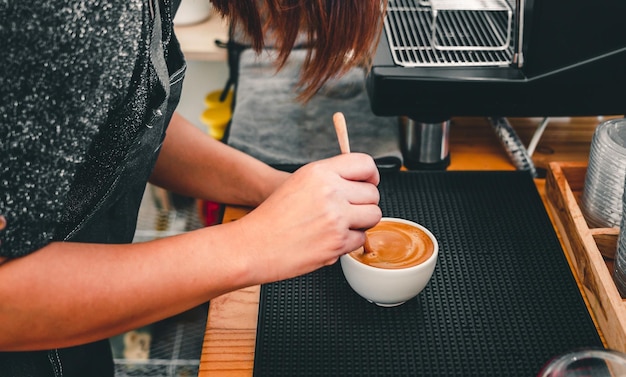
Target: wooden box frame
point(589, 250)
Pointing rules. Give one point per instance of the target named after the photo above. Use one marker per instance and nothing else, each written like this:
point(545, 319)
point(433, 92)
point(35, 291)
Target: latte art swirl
point(394, 245)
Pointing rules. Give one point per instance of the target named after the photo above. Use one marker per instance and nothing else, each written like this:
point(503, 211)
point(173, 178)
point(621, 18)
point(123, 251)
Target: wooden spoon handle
point(342, 132)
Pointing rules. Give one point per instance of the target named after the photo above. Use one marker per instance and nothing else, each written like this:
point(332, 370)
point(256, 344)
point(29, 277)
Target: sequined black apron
point(111, 215)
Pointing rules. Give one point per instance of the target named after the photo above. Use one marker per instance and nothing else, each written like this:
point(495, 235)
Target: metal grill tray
point(450, 33)
point(502, 301)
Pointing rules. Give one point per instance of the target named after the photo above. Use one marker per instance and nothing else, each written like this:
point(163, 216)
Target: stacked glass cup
point(620, 254)
point(604, 182)
point(604, 197)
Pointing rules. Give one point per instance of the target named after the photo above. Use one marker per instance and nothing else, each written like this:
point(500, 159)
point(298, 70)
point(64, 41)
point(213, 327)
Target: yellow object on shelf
point(216, 119)
point(213, 99)
point(218, 113)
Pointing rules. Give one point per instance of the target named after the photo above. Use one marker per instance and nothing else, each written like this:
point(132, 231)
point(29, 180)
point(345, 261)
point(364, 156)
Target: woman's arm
point(194, 164)
point(69, 293)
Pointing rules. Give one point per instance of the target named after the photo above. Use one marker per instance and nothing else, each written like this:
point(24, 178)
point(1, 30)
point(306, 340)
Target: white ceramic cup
point(390, 287)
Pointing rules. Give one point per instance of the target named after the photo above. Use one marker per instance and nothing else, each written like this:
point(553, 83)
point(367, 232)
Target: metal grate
point(164, 214)
point(171, 348)
point(449, 33)
point(471, 24)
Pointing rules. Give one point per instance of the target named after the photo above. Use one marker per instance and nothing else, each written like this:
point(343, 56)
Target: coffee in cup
point(393, 244)
point(396, 263)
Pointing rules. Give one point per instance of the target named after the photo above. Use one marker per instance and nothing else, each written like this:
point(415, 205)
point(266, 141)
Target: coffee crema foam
point(394, 245)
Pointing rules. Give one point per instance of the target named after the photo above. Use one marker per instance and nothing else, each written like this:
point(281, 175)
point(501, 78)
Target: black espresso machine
point(495, 58)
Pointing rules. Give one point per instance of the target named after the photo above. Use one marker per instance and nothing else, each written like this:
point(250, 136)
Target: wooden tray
point(590, 250)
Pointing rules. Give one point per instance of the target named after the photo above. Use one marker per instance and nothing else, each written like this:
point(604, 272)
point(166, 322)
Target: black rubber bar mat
point(502, 301)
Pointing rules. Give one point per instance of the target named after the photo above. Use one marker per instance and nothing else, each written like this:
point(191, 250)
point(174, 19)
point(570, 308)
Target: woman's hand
point(316, 216)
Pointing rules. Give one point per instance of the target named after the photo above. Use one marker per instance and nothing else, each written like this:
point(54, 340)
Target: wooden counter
point(229, 342)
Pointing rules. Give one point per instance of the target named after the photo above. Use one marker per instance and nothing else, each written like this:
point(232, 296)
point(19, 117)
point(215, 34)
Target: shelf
point(198, 40)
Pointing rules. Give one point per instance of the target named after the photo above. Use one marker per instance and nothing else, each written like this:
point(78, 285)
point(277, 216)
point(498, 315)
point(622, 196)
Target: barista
point(87, 117)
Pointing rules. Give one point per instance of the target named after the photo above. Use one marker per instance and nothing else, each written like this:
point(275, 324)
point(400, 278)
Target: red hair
point(340, 34)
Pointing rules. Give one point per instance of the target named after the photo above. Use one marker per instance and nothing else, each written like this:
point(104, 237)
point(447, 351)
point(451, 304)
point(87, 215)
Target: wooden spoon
point(344, 145)
point(342, 132)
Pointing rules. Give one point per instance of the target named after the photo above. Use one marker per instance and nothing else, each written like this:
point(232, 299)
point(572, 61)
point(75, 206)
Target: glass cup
point(587, 363)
